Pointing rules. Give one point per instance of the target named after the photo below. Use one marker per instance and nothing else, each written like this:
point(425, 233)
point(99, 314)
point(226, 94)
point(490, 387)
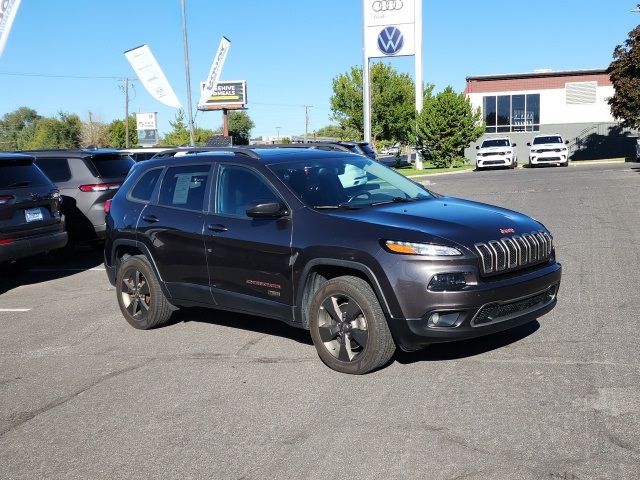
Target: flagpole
point(185, 45)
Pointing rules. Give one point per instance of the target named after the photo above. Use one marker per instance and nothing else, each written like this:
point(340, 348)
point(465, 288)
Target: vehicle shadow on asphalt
point(44, 268)
point(244, 322)
point(467, 348)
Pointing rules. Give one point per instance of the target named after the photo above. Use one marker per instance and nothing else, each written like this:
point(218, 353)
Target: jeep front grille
point(513, 253)
point(499, 312)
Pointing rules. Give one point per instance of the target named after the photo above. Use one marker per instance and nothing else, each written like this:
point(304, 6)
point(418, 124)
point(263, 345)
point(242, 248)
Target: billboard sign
point(147, 121)
point(389, 28)
point(228, 94)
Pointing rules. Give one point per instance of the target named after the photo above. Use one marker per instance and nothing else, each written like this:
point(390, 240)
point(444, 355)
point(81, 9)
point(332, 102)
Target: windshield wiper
point(23, 183)
point(395, 200)
point(340, 206)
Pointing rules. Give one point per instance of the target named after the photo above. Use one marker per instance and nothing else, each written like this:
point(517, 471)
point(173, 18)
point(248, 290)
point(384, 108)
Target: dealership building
point(570, 103)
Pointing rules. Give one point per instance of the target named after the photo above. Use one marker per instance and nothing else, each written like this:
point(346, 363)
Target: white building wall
point(554, 108)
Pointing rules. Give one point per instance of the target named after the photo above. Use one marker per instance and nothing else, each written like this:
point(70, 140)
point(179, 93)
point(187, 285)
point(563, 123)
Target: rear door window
point(57, 169)
point(112, 165)
point(184, 187)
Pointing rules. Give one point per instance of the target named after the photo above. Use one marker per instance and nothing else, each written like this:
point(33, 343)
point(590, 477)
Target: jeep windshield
point(346, 183)
point(550, 139)
point(501, 142)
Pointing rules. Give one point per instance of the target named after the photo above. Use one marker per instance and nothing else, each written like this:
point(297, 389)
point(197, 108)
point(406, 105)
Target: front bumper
point(494, 161)
point(546, 158)
point(492, 307)
point(29, 246)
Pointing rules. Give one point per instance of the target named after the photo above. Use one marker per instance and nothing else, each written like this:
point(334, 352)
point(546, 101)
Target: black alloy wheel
point(348, 327)
point(136, 296)
point(140, 296)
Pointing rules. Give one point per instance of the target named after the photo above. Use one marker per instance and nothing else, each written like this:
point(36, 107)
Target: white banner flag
point(216, 69)
point(151, 75)
point(8, 10)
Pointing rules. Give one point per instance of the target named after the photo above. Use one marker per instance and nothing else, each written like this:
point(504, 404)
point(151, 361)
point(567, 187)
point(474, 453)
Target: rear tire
point(348, 327)
point(140, 297)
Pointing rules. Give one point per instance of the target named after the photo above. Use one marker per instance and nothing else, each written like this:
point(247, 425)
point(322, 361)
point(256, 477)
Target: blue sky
point(288, 51)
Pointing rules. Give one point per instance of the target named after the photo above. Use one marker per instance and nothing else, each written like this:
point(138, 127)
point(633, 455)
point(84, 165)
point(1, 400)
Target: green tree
point(625, 76)
point(115, 133)
point(17, 128)
point(392, 103)
point(337, 131)
point(52, 132)
point(93, 133)
point(179, 134)
point(447, 124)
point(240, 126)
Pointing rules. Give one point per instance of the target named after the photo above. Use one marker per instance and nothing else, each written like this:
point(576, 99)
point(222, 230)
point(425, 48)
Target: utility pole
point(126, 112)
point(306, 120)
point(278, 133)
point(185, 44)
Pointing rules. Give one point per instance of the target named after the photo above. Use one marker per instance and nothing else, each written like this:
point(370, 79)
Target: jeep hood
point(460, 221)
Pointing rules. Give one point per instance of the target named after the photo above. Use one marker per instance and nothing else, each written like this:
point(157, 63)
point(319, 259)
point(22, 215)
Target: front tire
point(140, 297)
point(348, 326)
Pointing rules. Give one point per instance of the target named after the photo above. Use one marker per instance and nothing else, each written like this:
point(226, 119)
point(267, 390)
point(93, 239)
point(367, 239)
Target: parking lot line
point(15, 309)
point(96, 269)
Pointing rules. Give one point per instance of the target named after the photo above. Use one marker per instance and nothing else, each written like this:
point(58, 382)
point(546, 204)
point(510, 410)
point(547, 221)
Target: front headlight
point(409, 248)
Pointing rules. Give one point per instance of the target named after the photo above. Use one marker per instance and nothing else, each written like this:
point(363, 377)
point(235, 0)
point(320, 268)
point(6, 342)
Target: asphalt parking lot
point(222, 396)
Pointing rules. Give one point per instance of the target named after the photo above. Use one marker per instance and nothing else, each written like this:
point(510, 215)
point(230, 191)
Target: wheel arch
point(318, 271)
point(123, 247)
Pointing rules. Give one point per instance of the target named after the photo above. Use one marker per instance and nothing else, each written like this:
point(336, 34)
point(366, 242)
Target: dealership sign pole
point(8, 10)
point(392, 28)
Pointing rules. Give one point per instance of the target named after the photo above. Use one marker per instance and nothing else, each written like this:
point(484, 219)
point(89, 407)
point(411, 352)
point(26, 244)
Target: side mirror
point(528, 144)
point(566, 142)
point(266, 210)
point(513, 145)
point(477, 147)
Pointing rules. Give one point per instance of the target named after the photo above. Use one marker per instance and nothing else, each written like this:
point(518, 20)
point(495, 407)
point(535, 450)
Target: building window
point(512, 113)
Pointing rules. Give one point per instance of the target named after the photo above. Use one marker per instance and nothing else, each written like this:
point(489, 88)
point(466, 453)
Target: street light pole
point(185, 44)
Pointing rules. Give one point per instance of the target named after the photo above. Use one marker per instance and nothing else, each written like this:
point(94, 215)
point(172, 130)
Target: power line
point(47, 75)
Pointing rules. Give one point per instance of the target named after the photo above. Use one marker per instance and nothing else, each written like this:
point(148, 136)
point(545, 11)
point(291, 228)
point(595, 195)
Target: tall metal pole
point(185, 45)
point(418, 70)
point(306, 121)
point(366, 92)
point(126, 112)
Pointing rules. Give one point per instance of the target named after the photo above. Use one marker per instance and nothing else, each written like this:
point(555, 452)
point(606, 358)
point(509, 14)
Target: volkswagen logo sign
point(390, 40)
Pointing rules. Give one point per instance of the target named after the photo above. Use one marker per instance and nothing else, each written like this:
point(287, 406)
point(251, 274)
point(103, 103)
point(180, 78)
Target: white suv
point(496, 152)
point(546, 149)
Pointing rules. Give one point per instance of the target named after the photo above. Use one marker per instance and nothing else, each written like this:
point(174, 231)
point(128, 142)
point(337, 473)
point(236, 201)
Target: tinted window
point(184, 187)
point(238, 188)
point(21, 173)
point(366, 148)
point(145, 185)
point(499, 142)
point(112, 165)
point(57, 169)
point(346, 181)
point(549, 139)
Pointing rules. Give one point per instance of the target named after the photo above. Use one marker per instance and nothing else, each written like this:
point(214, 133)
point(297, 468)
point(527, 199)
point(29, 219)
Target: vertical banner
point(150, 74)
point(8, 10)
point(216, 69)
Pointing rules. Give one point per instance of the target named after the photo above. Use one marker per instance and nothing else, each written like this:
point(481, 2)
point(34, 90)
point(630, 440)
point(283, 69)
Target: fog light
point(443, 319)
point(452, 281)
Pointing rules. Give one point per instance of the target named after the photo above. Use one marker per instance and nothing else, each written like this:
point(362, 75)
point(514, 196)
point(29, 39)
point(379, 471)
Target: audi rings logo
point(390, 40)
point(387, 5)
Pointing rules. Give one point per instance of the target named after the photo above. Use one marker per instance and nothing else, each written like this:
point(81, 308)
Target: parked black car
point(86, 178)
point(30, 220)
point(287, 234)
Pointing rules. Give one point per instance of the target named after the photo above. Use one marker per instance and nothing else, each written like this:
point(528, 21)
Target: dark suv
point(87, 178)
point(286, 234)
point(30, 220)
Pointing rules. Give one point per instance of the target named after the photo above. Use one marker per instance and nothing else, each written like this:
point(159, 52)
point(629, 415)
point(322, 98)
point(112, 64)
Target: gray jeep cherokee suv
point(287, 234)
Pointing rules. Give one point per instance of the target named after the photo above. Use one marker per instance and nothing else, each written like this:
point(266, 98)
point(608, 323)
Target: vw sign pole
point(392, 28)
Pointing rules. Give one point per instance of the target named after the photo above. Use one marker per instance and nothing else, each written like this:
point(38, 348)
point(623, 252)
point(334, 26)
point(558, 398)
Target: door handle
point(218, 227)
point(150, 218)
